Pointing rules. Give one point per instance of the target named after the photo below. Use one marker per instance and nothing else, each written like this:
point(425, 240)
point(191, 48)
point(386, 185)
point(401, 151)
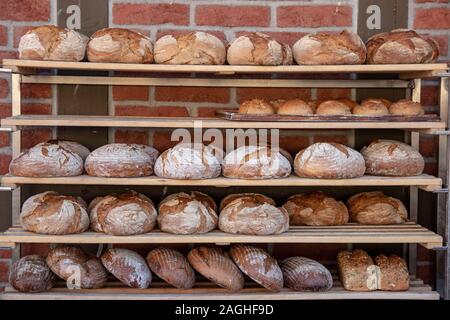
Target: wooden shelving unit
point(411, 234)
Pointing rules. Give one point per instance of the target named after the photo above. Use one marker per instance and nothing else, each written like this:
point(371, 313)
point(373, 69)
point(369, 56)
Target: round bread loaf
point(253, 216)
point(52, 213)
point(258, 265)
point(372, 107)
point(31, 274)
point(127, 266)
point(315, 209)
point(304, 274)
point(47, 160)
point(256, 106)
point(401, 46)
point(183, 213)
point(406, 107)
point(330, 48)
point(257, 196)
point(121, 160)
point(392, 158)
point(172, 267)
point(216, 266)
point(329, 161)
point(350, 103)
point(70, 262)
point(295, 107)
point(189, 161)
point(258, 49)
point(72, 146)
point(119, 45)
point(255, 162)
point(124, 214)
point(52, 43)
point(333, 107)
point(191, 48)
point(376, 208)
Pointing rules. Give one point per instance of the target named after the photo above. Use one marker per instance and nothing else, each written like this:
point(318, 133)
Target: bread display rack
point(409, 78)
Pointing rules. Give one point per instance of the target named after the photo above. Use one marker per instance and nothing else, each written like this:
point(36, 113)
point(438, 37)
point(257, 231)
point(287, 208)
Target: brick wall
point(284, 20)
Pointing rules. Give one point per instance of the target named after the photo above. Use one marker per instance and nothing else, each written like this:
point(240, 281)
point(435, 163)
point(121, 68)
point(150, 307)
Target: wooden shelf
point(350, 233)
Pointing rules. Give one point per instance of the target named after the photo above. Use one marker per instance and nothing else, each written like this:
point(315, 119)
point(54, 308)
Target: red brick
point(428, 146)
point(192, 94)
point(272, 93)
point(207, 112)
point(432, 18)
point(31, 137)
point(145, 111)
point(321, 252)
point(25, 10)
point(130, 93)
point(5, 254)
point(426, 273)
point(150, 14)
point(314, 16)
point(162, 140)
point(333, 93)
point(424, 254)
point(4, 139)
point(289, 38)
point(18, 32)
point(5, 110)
point(8, 55)
point(5, 159)
point(4, 270)
point(431, 168)
point(293, 144)
point(429, 96)
point(232, 16)
point(131, 136)
point(36, 91)
point(335, 138)
point(36, 108)
point(3, 36)
point(2, 288)
point(164, 32)
point(34, 248)
point(4, 88)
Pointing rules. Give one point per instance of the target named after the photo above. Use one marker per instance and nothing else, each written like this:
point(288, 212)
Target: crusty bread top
point(406, 107)
point(295, 107)
point(256, 106)
point(333, 107)
point(256, 196)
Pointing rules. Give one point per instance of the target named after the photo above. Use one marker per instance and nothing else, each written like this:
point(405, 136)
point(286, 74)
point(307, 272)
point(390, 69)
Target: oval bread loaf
point(256, 107)
point(31, 274)
point(257, 196)
point(372, 107)
point(303, 274)
point(72, 146)
point(406, 107)
point(394, 274)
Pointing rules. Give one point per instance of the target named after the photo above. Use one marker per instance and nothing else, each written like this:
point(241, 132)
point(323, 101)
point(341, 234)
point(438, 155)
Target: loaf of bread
point(191, 48)
point(392, 158)
point(52, 213)
point(73, 146)
point(79, 269)
point(189, 161)
point(372, 107)
point(357, 271)
point(303, 274)
point(255, 162)
point(182, 213)
point(333, 107)
point(31, 274)
point(124, 214)
point(216, 266)
point(315, 209)
point(258, 265)
point(249, 215)
point(121, 160)
point(393, 270)
point(350, 103)
point(127, 266)
point(47, 160)
point(119, 45)
point(256, 106)
point(257, 196)
point(330, 48)
point(258, 49)
point(405, 107)
point(52, 43)
point(376, 208)
point(295, 107)
point(172, 267)
point(401, 46)
point(329, 161)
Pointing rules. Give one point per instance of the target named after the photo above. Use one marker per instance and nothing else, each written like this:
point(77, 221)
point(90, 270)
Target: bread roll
point(295, 107)
point(119, 45)
point(125, 214)
point(121, 160)
point(350, 103)
point(257, 107)
point(216, 266)
point(250, 215)
point(52, 213)
point(183, 213)
point(255, 162)
point(72, 146)
point(333, 107)
point(46, 160)
point(372, 107)
point(258, 49)
point(392, 158)
point(406, 107)
point(329, 161)
point(376, 208)
point(394, 275)
point(401, 46)
point(70, 262)
point(315, 209)
point(189, 161)
point(357, 271)
point(330, 48)
point(52, 43)
point(191, 48)
point(127, 266)
point(172, 267)
point(258, 265)
point(257, 196)
point(303, 274)
point(31, 274)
